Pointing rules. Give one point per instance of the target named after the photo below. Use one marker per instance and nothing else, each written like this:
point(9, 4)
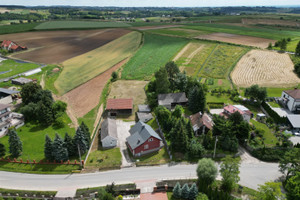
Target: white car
point(297, 134)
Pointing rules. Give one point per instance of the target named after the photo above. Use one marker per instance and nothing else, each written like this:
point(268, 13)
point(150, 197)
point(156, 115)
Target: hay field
point(265, 68)
point(82, 68)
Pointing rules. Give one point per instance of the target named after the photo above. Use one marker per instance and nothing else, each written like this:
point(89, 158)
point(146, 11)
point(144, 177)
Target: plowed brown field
point(265, 68)
point(53, 47)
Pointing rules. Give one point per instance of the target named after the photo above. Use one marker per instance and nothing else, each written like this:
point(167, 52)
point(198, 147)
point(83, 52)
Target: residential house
point(119, 107)
point(12, 46)
point(172, 99)
point(21, 81)
point(7, 96)
point(108, 133)
point(291, 99)
point(294, 122)
point(144, 113)
point(201, 123)
point(9, 119)
point(143, 140)
point(230, 109)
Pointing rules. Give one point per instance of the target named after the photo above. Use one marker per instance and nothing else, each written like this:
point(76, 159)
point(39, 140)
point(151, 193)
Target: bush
point(269, 154)
point(185, 191)
point(277, 119)
point(177, 191)
point(114, 76)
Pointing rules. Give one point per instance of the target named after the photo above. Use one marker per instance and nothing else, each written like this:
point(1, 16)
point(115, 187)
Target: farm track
point(182, 52)
point(192, 55)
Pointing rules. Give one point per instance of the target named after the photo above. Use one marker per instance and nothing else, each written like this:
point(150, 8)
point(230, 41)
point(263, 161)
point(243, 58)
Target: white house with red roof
point(230, 109)
point(12, 46)
point(291, 99)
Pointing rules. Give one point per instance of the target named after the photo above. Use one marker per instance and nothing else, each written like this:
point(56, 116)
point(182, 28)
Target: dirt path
point(182, 52)
point(192, 55)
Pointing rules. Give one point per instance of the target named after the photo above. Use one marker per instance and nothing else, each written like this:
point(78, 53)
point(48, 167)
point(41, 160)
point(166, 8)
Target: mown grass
point(178, 32)
point(50, 77)
point(79, 25)
point(276, 92)
point(80, 69)
point(89, 118)
point(157, 158)
point(105, 159)
point(155, 53)
point(17, 28)
point(14, 68)
point(269, 138)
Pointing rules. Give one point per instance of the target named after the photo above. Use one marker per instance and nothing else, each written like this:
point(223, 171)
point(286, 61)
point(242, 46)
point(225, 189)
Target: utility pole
point(215, 147)
point(79, 155)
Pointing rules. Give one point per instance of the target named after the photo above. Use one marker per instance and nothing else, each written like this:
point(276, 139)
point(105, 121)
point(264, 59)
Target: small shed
point(119, 107)
point(109, 134)
point(170, 100)
point(144, 109)
point(20, 81)
point(144, 117)
point(261, 117)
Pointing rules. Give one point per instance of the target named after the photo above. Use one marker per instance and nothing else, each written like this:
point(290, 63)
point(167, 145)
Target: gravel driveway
point(123, 133)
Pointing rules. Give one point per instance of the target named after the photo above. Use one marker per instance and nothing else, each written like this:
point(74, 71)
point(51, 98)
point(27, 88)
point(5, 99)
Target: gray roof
point(144, 117)
point(167, 99)
point(109, 128)
point(295, 120)
point(4, 106)
point(22, 80)
point(140, 133)
point(144, 108)
point(7, 91)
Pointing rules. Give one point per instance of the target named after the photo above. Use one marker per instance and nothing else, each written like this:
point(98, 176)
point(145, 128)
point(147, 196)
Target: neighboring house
point(12, 46)
point(7, 96)
point(8, 119)
point(144, 113)
point(21, 81)
point(294, 121)
point(109, 134)
point(230, 109)
point(119, 107)
point(201, 123)
point(143, 140)
point(291, 99)
point(172, 99)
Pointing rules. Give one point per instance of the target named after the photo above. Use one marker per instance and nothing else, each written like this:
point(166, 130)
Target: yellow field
point(80, 69)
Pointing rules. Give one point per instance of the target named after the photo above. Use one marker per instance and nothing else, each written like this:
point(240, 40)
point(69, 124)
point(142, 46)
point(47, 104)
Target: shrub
point(114, 76)
point(185, 191)
point(277, 119)
point(269, 154)
point(177, 191)
point(207, 171)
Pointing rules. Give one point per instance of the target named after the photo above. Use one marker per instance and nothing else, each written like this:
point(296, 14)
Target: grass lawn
point(155, 53)
point(79, 25)
point(178, 32)
point(224, 98)
point(160, 157)
point(50, 77)
point(105, 159)
point(274, 104)
point(33, 138)
point(276, 92)
point(89, 118)
point(12, 67)
point(82, 68)
point(270, 139)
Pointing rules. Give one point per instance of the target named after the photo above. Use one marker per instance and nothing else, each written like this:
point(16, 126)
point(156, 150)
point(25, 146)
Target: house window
point(151, 139)
point(146, 146)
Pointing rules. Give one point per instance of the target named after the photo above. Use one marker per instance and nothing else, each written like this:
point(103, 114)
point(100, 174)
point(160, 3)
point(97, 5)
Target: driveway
point(295, 139)
point(123, 133)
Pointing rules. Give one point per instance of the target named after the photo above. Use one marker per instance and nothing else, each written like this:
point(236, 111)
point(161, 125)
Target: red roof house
point(119, 106)
point(201, 123)
point(230, 109)
point(12, 46)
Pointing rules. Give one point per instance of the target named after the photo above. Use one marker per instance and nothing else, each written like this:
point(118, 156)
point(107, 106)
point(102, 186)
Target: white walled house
point(109, 134)
point(291, 99)
point(9, 119)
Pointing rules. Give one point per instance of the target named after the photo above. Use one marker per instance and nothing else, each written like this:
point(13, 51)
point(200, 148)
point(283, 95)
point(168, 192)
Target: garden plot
point(266, 69)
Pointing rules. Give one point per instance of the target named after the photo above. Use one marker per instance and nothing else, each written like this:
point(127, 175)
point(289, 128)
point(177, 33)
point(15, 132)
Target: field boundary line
point(207, 59)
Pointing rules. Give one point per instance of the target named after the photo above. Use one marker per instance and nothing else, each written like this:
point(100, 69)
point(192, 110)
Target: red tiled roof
point(231, 109)
point(294, 93)
point(119, 104)
point(6, 43)
point(14, 46)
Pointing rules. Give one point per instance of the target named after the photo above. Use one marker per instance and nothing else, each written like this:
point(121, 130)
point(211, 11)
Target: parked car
point(297, 134)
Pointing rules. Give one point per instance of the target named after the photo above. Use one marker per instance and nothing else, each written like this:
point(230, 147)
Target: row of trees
point(62, 149)
point(15, 145)
point(185, 192)
point(38, 105)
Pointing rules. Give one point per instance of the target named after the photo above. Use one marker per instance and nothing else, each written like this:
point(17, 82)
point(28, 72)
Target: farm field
point(17, 28)
point(52, 47)
point(155, 53)
point(178, 32)
point(84, 98)
point(82, 68)
point(10, 67)
point(209, 60)
point(79, 25)
point(129, 89)
point(143, 28)
point(238, 39)
point(265, 68)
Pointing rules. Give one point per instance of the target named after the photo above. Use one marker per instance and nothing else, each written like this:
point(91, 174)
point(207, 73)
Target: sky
point(153, 3)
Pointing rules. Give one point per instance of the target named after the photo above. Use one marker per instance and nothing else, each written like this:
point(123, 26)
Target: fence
point(163, 138)
point(41, 162)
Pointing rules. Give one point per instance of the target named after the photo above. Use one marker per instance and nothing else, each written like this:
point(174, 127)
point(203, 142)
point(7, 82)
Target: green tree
point(48, 148)
point(59, 153)
point(177, 191)
point(80, 140)
point(202, 196)
point(230, 173)
point(185, 191)
point(86, 132)
point(270, 46)
point(196, 150)
point(197, 99)
point(69, 145)
point(270, 191)
point(45, 114)
point(256, 92)
point(283, 45)
point(297, 69)
point(208, 140)
point(290, 163)
point(114, 76)
point(193, 192)
point(172, 69)
point(297, 50)
point(2, 150)
point(207, 171)
point(59, 107)
point(293, 187)
point(179, 83)
point(161, 77)
point(178, 111)
point(163, 116)
point(239, 127)
point(15, 144)
point(29, 93)
point(178, 137)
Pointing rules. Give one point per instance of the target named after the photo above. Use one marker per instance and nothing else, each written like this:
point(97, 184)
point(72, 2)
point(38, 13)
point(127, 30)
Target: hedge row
point(269, 154)
point(277, 119)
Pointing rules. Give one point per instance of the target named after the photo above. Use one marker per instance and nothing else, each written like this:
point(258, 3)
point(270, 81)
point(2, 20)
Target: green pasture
point(17, 28)
point(155, 53)
point(79, 25)
point(180, 32)
point(82, 68)
point(12, 67)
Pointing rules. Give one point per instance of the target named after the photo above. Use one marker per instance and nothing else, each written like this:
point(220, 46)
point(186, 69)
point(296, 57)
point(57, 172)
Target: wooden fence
point(21, 161)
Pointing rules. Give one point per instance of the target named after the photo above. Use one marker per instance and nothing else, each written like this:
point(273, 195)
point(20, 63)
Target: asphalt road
point(251, 175)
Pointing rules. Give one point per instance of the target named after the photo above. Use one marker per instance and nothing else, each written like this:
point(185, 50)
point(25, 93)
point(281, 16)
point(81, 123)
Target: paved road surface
point(251, 175)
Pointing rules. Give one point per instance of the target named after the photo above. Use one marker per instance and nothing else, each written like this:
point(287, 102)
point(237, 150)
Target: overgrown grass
point(269, 138)
point(178, 32)
point(79, 25)
point(155, 53)
point(157, 158)
point(12, 67)
point(89, 118)
point(80, 69)
point(17, 28)
point(105, 159)
point(50, 77)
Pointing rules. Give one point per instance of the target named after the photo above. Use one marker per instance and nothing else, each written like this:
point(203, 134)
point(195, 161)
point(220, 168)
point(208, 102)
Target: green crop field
point(155, 53)
point(80, 69)
point(79, 25)
point(180, 32)
point(17, 28)
point(11, 67)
